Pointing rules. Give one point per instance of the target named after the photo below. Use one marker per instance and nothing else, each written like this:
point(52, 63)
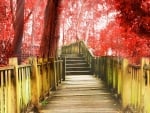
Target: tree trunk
point(48, 44)
point(18, 28)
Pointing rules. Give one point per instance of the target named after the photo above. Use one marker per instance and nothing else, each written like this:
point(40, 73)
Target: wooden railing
point(27, 85)
point(131, 83)
point(81, 49)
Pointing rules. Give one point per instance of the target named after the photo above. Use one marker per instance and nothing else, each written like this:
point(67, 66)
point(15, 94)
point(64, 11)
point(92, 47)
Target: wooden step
point(77, 68)
point(75, 61)
point(87, 72)
point(75, 58)
point(77, 65)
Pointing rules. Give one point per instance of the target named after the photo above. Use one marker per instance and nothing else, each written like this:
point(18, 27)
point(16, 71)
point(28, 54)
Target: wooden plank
point(82, 94)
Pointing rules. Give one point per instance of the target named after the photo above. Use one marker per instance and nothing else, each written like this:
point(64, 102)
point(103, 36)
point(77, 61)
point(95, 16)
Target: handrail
point(135, 66)
point(84, 45)
point(77, 47)
point(6, 68)
point(146, 67)
point(25, 65)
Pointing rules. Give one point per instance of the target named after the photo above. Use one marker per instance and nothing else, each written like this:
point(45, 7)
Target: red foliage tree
point(119, 26)
point(22, 24)
point(6, 31)
point(135, 15)
point(111, 25)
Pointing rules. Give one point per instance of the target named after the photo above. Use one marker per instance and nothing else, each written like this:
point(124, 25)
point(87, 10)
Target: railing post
point(40, 72)
point(64, 68)
point(104, 69)
point(60, 69)
point(114, 73)
point(92, 65)
point(145, 85)
point(55, 72)
point(108, 71)
point(99, 76)
point(34, 83)
point(45, 77)
point(16, 93)
point(119, 78)
point(79, 48)
point(53, 75)
point(97, 64)
point(126, 84)
point(49, 74)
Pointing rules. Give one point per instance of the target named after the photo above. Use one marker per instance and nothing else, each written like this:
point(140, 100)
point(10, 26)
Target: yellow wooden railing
point(131, 83)
point(81, 49)
point(24, 85)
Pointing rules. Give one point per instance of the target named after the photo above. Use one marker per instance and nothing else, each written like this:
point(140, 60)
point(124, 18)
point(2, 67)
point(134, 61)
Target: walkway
point(82, 94)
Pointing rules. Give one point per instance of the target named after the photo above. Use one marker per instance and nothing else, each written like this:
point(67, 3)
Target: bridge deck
point(82, 94)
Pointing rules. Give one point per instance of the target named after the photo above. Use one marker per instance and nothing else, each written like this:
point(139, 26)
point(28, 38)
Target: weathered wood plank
point(82, 94)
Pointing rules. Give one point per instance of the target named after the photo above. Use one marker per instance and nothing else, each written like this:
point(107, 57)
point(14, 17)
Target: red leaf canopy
point(108, 27)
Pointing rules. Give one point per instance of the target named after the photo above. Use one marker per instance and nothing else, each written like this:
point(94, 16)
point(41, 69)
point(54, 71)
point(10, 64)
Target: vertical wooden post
point(61, 65)
point(126, 84)
point(119, 78)
point(42, 79)
point(56, 72)
point(53, 77)
point(2, 93)
point(79, 48)
point(49, 75)
point(34, 83)
point(109, 72)
point(113, 62)
point(64, 68)
point(15, 95)
point(59, 70)
point(45, 76)
point(40, 73)
point(139, 79)
point(144, 91)
point(9, 91)
point(92, 65)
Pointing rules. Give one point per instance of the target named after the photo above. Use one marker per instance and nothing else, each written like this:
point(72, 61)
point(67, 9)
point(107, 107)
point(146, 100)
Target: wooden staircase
point(77, 65)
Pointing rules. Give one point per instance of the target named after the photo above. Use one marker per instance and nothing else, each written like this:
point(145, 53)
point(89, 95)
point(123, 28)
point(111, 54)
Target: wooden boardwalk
point(82, 94)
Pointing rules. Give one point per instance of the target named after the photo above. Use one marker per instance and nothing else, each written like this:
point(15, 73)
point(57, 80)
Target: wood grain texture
point(82, 94)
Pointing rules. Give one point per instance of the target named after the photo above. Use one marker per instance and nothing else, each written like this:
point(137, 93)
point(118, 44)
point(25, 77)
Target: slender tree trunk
point(48, 44)
point(18, 27)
